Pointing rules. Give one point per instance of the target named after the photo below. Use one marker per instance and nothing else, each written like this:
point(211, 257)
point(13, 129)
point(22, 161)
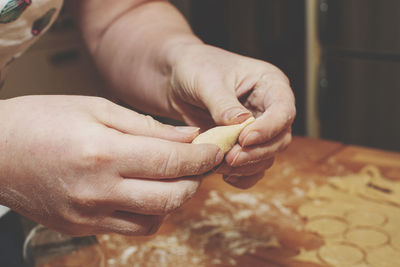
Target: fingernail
point(231, 179)
point(240, 158)
point(219, 157)
point(187, 129)
point(251, 138)
point(235, 158)
point(233, 153)
point(237, 115)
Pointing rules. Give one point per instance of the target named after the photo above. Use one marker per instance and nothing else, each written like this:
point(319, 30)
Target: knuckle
point(285, 143)
point(179, 163)
point(274, 73)
point(203, 162)
point(83, 205)
point(177, 196)
point(73, 224)
point(280, 75)
point(286, 115)
point(151, 226)
point(154, 225)
point(150, 122)
point(288, 139)
point(170, 166)
point(197, 168)
point(170, 202)
point(105, 109)
point(101, 103)
point(93, 154)
point(291, 111)
point(82, 199)
point(287, 110)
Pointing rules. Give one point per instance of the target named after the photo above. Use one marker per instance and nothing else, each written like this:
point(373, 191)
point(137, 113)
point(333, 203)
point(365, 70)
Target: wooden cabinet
point(359, 82)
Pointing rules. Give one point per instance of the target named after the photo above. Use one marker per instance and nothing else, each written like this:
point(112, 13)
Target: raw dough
point(369, 206)
point(224, 137)
point(340, 254)
point(365, 237)
point(396, 241)
point(384, 257)
point(327, 226)
point(365, 218)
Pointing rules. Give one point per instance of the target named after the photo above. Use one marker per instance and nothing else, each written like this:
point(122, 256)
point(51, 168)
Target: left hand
point(210, 85)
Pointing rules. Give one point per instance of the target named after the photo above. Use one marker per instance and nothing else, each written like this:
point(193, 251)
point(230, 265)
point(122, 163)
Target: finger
point(126, 223)
point(145, 157)
point(280, 111)
point(246, 170)
point(194, 115)
point(238, 155)
point(128, 121)
point(244, 182)
point(152, 197)
point(223, 105)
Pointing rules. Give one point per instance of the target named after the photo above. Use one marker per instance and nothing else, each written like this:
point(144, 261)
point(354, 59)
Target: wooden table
point(224, 226)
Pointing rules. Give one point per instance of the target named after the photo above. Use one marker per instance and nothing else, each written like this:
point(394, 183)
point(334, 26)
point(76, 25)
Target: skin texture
point(83, 165)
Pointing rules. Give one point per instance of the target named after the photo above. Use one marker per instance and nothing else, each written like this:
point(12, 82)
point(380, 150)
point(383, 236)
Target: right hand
point(84, 165)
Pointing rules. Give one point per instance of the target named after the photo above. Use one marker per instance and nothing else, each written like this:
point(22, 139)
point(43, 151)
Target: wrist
point(171, 52)
point(173, 48)
point(138, 60)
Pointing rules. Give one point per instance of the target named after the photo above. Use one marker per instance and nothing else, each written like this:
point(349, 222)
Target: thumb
point(224, 106)
point(131, 122)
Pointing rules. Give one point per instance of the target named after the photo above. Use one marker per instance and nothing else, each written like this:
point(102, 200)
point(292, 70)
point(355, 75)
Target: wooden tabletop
point(225, 226)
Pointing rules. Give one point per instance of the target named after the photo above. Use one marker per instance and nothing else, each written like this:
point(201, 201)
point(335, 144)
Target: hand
point(83, 165)
point(210, 85)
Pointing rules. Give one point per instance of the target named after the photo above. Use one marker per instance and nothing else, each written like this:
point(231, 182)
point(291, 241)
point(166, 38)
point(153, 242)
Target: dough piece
point(365, 237)
point(384, 257)
point(224, 137)
point(395, 240)
point(365, 218)
point(326, 226)
point(318, 208)
point(369, 205)
point(340, 254)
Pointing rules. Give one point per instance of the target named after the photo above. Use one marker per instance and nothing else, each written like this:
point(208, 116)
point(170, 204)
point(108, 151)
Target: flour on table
point(228, 226)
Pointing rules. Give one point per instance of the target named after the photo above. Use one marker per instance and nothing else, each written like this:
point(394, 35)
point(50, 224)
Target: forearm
point(3, 142)
point(134, 43)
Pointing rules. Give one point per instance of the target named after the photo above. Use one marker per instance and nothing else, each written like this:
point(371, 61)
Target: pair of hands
point(226, 88)
point(84, 165)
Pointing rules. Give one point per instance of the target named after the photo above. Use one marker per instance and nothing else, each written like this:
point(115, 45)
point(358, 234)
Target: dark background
point(271, 30)
point(358, 94)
